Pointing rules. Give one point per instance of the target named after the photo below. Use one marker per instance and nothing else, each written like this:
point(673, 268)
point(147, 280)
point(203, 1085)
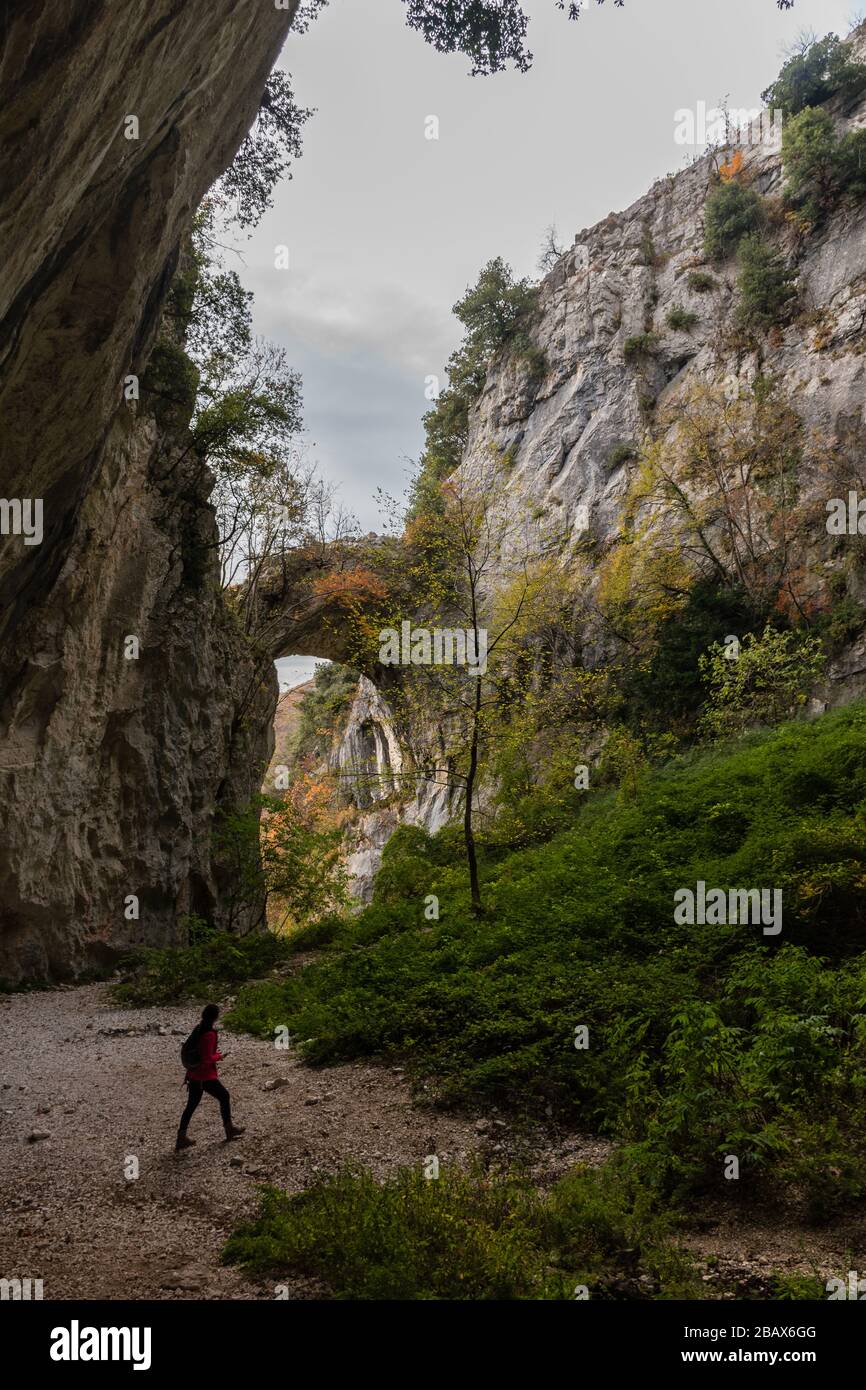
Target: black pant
point(213, 1088)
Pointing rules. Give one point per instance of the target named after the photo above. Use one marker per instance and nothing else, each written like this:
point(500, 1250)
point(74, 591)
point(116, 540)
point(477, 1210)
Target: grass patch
point(468, 1234)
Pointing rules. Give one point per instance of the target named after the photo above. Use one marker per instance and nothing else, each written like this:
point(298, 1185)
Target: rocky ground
point(87, 1088)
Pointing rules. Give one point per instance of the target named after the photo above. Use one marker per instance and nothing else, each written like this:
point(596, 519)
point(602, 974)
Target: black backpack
point(189, 1052)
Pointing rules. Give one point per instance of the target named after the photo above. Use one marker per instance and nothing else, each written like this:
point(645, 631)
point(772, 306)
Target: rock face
point(387, 775)
point(620, 280)
point(561, 435)
point(373, 768)
point(111, 768)
point(113, 764)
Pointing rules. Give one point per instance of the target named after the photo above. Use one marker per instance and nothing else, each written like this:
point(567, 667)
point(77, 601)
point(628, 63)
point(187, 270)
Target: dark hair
point(209, 1015)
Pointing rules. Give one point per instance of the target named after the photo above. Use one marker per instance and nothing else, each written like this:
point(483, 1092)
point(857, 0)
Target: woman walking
point(201, 1048)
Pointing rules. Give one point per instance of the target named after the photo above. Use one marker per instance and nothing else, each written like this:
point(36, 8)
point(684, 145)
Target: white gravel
point(70, 1215)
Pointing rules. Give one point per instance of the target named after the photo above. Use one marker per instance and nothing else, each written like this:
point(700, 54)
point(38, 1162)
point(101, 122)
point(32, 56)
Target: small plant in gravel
point(790, 1287)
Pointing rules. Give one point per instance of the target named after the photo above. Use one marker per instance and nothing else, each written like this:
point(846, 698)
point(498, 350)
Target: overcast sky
point(386, 228)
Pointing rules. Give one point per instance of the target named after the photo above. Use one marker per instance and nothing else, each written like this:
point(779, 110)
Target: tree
point(301, 855)
point(819, 70)
point(491, 33)
point(272, 850)
point(499, 582)
point(484, 567)
point(551, 251)
point(245, 190)
point(496, 313)
point(767, 285)
point(769, 681)
point(716, 498)
point(493, 311)
point(810, 155)
point(820, 165)
point(732, 211)
point(852, 163)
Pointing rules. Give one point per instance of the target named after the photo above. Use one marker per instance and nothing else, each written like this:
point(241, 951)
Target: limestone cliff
point(620, 280)
point(375, 767)
point(571, 437)
point(111, 769)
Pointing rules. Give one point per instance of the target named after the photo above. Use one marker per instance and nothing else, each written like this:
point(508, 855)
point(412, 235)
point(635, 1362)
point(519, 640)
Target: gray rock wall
point(111, 770)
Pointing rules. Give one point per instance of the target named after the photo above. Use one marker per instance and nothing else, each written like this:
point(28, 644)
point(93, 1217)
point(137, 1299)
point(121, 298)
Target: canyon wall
point(114, 762)
point(111, 768)
point(571, 436)
point(563, 436)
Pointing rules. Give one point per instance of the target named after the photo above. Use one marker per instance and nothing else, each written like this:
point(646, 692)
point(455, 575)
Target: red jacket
point(208, 1058)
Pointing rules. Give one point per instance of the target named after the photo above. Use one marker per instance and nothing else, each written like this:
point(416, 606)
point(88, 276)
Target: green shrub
point(789, 1287)
point(624, 452)
point(681, 320)
point(821, 70)
point(810, 155)
point(668, 691)
point(579, 929)
point(770, 679)
point(640, 345)
point(466, 1235)
point(197, 971)
point(169, 385)
point(768, 292)
point(820, 166)
point(732, 211)
point(700, 281)
point(851, 163)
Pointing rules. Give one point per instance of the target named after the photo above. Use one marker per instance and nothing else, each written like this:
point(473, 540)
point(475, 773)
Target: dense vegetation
point(469, 1235)
point(703, 1040)
point(212, 962)
point(732, 212)
point(321, 707)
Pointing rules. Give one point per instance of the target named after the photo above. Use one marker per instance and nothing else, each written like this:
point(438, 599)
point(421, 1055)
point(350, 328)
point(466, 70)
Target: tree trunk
point(474, 886)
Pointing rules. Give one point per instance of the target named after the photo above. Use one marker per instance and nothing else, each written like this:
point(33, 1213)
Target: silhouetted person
point(203, 1076)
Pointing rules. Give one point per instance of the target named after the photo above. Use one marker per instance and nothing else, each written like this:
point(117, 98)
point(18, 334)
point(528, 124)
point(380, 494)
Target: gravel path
point(104, 1087)
point(73, 1218)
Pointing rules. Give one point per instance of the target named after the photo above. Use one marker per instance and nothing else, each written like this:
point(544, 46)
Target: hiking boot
point(183, 1142)
point(234, 1132)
